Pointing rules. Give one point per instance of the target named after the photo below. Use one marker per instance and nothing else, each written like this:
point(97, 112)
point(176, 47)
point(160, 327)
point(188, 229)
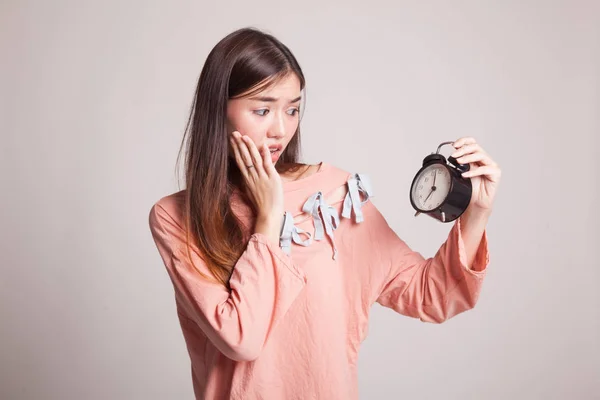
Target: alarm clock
point(439, 190)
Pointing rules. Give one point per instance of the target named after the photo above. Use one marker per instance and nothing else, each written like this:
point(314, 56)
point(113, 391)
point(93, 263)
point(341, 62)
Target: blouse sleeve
point(264, 284)
point(433, 289)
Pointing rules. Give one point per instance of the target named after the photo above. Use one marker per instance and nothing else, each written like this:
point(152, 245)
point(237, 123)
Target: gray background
point(94, 97)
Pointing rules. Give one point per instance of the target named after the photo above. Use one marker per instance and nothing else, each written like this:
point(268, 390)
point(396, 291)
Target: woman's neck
point(298, 171)
point(288, 173)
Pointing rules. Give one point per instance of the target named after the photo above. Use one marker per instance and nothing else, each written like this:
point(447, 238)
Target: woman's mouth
point(274, 155)
point(275, 152)
point(275, 148)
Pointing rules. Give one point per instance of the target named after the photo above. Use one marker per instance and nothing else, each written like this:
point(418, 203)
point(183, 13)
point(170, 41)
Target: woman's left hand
point(484, 173)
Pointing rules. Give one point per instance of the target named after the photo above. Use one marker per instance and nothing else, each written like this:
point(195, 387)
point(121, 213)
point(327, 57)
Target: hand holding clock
point(484, 173)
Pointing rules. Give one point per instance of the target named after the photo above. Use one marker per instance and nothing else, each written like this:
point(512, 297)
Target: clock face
point(431, 187)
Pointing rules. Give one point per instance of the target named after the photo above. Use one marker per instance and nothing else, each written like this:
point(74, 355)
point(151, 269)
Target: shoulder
point(335, 175)
point(168, 210)
point(334, 169)
point(343, 180)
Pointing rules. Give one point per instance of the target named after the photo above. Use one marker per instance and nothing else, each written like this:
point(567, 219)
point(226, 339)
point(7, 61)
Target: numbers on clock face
point(431, 187)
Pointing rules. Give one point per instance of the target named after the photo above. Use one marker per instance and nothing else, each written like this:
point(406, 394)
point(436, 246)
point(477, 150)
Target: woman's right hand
point(262, 184)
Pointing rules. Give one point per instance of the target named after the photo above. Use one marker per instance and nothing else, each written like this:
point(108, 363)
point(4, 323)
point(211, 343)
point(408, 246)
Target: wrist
point(270, 218)
point(270, 225)
point(477, 213)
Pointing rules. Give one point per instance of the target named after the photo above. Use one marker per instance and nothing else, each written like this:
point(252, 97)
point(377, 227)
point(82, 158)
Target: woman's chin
point(275, 156)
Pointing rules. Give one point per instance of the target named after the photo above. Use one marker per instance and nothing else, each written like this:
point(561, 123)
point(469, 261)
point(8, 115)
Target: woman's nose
point(277, 129)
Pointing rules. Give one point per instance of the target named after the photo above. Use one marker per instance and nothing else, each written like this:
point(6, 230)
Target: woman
point(273, 288)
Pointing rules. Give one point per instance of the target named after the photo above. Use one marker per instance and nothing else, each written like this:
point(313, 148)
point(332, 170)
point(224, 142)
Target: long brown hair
point(241, 64)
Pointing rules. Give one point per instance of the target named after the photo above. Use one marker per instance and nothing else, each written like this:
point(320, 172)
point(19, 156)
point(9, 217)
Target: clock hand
point(428, 196)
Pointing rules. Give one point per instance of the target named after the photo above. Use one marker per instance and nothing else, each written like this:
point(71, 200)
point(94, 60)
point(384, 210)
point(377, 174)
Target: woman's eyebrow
point(273, 99)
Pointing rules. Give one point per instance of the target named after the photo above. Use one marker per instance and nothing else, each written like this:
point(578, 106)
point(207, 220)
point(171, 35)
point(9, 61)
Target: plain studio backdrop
point(94, 99)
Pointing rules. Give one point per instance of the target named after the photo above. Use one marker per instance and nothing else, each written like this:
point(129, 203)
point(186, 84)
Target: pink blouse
point(292, 324)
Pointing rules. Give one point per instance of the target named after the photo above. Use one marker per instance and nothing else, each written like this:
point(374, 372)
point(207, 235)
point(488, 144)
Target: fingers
point(238, 157)
point(462, 141)
point(490, 172)
point(256, 158)
point(248, 157)
point(243, 149)
point(267, 161)
point(468, 151)
point(479, 157)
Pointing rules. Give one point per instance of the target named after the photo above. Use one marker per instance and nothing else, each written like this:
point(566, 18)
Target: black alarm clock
point(439, 190)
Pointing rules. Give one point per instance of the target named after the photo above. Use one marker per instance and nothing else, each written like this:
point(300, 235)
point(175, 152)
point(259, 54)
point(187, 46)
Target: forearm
point(269, 226)
point(473, 223)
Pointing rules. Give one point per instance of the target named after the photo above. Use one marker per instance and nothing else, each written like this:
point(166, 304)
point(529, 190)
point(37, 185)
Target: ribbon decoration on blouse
point(325, 222)
point(290, 232)
point(358, 183)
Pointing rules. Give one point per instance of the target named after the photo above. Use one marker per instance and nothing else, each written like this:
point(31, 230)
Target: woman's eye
point(264, 112)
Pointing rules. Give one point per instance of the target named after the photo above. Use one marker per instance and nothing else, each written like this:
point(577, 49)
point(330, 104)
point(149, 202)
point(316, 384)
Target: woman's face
point(269, 117)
